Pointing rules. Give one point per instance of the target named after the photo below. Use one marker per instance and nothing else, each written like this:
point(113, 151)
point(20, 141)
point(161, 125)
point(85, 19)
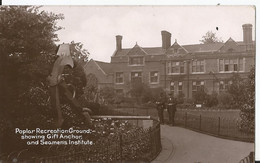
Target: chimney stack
point(119, 42)
point(166, 39)
point(247, 33)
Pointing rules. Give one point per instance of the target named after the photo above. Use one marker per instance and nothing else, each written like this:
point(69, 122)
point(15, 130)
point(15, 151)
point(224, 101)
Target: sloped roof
point(105, 66)
point(180, 49)
point(136, 50)
point(147, 50)
point(203, 47)
point(193, 48)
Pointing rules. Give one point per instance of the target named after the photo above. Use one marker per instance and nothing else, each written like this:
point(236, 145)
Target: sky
point(97, 26)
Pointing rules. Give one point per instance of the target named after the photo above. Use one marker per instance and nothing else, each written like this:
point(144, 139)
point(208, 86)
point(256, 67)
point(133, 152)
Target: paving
point(181, 145)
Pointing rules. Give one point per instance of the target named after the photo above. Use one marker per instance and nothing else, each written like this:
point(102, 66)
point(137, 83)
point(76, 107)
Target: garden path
point(185, 146)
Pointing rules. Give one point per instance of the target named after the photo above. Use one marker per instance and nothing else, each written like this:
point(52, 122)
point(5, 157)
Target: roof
point(147, 50)
point(193, 48)
point(136, 50)
point(203, 47)
point(105, 66)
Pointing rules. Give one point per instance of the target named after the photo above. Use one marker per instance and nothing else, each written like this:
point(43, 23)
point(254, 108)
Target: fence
point(217, 126)
point(249, 158)
point(223, 127)
point(140, 146)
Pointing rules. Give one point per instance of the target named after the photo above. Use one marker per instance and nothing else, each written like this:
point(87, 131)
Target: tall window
point(180, 88)
point(136, 76)
point(174, 67)
point(198, 66)
point(197, 86)
point(154, 77)
point(172, 87)
point(230, 65)
point(119, 77)
point(136, 60)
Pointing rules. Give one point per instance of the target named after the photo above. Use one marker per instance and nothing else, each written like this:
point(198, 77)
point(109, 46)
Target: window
point(197, 86)
point(172, 87)
point(154, 77)
point(223, 85)
point(198, 66)
point(136, 60)
point(119, 77)
point(230, 65)
point(136, 76)
point(180, 88)
point(174, 67)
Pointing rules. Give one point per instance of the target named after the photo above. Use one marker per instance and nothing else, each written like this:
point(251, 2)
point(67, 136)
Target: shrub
point(211, 100)
point(199, 97)
point(225, 99)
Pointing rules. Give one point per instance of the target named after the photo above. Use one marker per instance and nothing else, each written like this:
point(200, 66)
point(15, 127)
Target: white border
point(256, 3)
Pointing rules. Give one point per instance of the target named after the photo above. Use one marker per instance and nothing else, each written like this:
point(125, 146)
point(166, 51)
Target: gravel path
point(185, 146)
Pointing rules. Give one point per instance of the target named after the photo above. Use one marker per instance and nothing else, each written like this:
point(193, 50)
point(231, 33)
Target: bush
point(225, 99)
point(211, 100)
point(180, 98)
point(199, 97)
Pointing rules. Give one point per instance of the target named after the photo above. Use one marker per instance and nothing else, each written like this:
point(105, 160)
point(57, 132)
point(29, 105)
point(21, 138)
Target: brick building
point(180, 69)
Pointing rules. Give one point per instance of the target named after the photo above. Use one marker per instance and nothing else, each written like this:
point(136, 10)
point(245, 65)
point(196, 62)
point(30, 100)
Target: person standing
point(160, 107)
point(171, 108)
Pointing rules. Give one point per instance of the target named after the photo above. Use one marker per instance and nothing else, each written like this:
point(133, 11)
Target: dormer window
point(136, 61)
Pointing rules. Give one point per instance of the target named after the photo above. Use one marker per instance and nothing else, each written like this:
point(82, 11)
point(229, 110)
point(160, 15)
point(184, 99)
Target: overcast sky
point(97, 26)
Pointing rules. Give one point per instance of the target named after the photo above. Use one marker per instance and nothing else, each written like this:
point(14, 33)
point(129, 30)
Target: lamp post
point(188, 78)
point(213, 79)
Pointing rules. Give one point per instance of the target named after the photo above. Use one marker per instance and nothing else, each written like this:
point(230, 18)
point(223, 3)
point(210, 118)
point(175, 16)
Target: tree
point(210, 37)
point(235, 90)
point(27, 41)
point(247, 111)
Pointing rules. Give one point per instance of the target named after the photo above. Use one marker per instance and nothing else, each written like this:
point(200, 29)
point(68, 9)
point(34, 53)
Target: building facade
point(180, 69)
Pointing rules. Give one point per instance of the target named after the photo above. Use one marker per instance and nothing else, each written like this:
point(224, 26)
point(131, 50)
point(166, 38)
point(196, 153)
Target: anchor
point(57, 86)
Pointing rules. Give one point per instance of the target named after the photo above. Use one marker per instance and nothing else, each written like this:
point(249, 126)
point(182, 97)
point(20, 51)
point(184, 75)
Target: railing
point(217, 126)
point(223, 127)
point(249, 158)
point(141, 146)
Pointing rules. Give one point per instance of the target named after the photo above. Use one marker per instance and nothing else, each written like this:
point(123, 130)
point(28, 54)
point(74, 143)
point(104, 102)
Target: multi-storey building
point(180, 69)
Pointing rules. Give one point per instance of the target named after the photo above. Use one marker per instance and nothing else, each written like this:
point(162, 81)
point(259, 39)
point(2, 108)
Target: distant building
point(180, 69)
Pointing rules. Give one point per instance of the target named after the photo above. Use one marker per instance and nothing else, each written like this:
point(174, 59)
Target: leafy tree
point(247, 113)
point(27, 37)
point(236, 90)
point(108, 94)
point(27, 41)
point(210, 37)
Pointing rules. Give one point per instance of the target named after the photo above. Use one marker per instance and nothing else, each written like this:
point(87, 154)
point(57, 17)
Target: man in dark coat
point(160, 107)
point(171, 108)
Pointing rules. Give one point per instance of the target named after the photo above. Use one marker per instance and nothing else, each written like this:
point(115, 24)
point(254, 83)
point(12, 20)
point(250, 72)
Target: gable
point(136, 50)
point(176, 49)
point(229, 46)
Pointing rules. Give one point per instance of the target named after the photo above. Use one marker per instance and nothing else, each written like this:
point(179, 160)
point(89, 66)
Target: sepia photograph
point(127, 84)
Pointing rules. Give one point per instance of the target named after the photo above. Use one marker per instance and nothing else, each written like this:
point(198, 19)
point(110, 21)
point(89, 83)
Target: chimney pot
point(247, 33)
point(166, 39)
point(119, 42)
